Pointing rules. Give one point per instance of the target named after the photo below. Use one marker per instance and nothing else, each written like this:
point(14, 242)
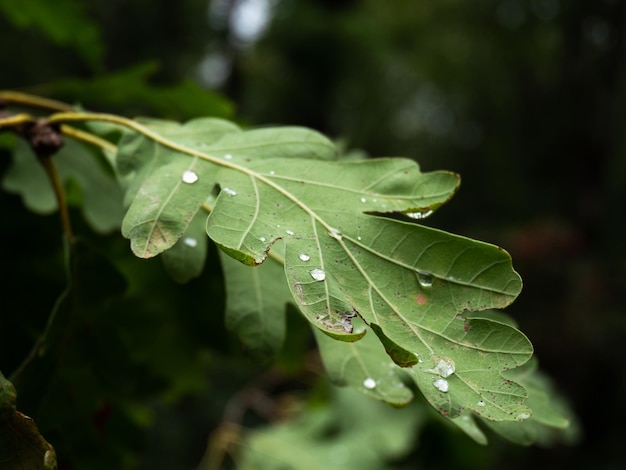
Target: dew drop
point(369, 383)
point(230, 192)
point(289, 232)
point(523, 416)
point(425, 279)
point(418, 215)
point(444, 368)
point(304, 257)
point(318, 274)
point(272, 172)
point(191, 242)
point(363, 199)
point(441, 385)
point(335, 233)
point(263, 239)
point(228, 156)
point(480, 403)
point(190, 177)
point(359, 238)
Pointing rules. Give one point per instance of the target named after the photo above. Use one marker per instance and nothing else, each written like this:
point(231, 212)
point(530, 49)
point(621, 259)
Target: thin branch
point(25, 99)
point(57, 186)
point(15, 120)
point(88, 138)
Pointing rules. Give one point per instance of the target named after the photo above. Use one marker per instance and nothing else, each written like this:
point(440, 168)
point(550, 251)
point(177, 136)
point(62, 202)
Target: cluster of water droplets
point(443, 368)
point(418, 215)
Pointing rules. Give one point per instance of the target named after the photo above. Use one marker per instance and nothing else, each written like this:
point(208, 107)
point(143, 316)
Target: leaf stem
point(57, 186)
point(15, 120)
point(88, 138)
point(34, 101)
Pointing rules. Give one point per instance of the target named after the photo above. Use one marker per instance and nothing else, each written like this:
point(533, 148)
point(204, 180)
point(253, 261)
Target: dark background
point(525, 99)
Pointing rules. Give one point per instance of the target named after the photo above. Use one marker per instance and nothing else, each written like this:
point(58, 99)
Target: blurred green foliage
point(523, 98)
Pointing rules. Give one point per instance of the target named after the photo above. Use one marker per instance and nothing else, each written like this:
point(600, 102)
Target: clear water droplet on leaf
point(369, 383)
point(441, 385)
point(318, 274)
point(190, 177)
point(480, 403)
point(230, 192)
point(289, 232)
point(190, 242)
point(425, 279)
point(304, 257)
point(228, 156)
point(335, 233)
point(418, 215)
point(444, 368)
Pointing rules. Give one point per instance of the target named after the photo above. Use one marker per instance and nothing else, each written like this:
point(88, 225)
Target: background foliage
point(523, 98)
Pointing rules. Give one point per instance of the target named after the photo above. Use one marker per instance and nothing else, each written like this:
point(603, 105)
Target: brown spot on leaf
point(421, 299)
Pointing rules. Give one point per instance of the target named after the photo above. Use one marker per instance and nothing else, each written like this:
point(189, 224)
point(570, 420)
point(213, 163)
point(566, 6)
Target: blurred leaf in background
point(524, 98)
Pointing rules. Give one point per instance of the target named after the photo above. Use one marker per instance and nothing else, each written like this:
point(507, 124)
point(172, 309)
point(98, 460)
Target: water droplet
point(363, 199)
point(369, 383)
point(289, 232)
point(441, 385)
point(335, 233)
point(418, 215)
point(272, 172)
point(304, 257)
point(480, 403)
point(190, 177)
point(318, 274)
point(444, 368)
point(230, 192)
point(523, 416)
point(263, 239)
point(425, 279)
point(191, 242)
point(228, 156)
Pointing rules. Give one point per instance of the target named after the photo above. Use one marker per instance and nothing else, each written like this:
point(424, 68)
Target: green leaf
point(134, 87)
point(466, 369)
point(100, 196)
point(63, 21)
point(256, 298)
point(411, 284)
point(353, 432)
point(551, 418)
point(185, 260)
point(165, 190)
point(21, 444)
point(363, 365)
